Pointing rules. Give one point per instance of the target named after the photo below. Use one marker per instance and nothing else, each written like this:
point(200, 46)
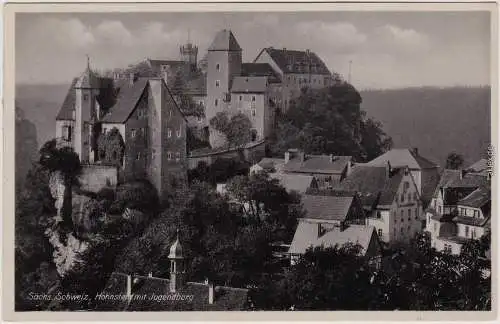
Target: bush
point(140, 195)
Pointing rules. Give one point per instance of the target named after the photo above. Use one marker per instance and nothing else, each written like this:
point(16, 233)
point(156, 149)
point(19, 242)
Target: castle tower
point(223, 64)
point(177, 272)
point(86, 92)
point(189, 54)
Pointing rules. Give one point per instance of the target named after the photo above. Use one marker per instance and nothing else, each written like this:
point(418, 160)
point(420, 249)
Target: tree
point(140, 195)
point(454, 161)
point(329, 121)
point(333, 278)
point(265, 200)
point(236, 129)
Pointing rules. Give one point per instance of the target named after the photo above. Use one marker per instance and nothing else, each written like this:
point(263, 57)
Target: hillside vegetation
point(436, 120)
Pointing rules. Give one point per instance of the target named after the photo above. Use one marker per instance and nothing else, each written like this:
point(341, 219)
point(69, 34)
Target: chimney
point(287, 156)
point(129, 287)
point(415, 151)
point(132, 78)
point(302, 156)
point(388, 169)
point(349, 168)
point(211, 293)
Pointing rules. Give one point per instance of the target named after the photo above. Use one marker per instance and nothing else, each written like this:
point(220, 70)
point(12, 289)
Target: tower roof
point(88, 79)
point(176, 249)
point(224, 41)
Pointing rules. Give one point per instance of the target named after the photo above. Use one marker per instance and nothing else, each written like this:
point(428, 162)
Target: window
point(217, 83)
point(409, 228)
point(169, 132)
point(466, 231)
point(217, 67)
point(416, 213)
point(177, 156)
point(169, 155)
point(409, 196)
point(409, 214)
point(254, 112)
point(415, 196)
point(435, 227)
point(138, 156)
point(253, 135)
point(216, 102)
point(153, 152)
point(402, 198)
point(379, 233)
point(402, 216)
point(67, 133)
point(241, 98)
point(133, 132)
point(473, 233)
point(476, 213)
point(85, 97)
point(401, 230)
point(379, 214)
point(253, 98)
point(179, 132)
point(447, 248)
point(200, 119)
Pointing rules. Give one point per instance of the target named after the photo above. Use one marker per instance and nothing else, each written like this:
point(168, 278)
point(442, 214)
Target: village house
point(424, 172)
point(390, 198)
point(460, 209)
point(334, 218)
point(176, 293)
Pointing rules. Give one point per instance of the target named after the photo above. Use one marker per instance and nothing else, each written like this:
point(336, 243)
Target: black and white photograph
point(253, 161)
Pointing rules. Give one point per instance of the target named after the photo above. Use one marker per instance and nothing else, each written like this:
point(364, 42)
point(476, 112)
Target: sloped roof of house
point(469, 180)
point(294, 182)
point(403, 157)
point(270, 163)
point(225, 298)
point(256, 84)
point(477, 199)
point(327, 207)
point(224, 41)
point(373, 184)
point(259, 69)
point(306, 236)
point(291, 61)
point(318, 164)
point(479, 166)
point(68, 106)
point(197, 86)
point(128, 97)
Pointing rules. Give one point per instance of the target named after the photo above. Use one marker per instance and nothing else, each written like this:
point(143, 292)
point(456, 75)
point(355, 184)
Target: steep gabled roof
point(293, 61)
point(479, 166)
point(294, 182)
point(128, 97)
point(373, 184)
point(477, 199)
point(403, 157)
point(318, 164)
point(249, 84)
point(327, 207)
point(68, 106)
point(259, 69)
point(224, 41)
point(306, 236)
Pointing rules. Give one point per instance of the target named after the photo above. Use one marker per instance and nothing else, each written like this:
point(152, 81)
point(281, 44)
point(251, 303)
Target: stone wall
point(95, 177)
point(252, 153)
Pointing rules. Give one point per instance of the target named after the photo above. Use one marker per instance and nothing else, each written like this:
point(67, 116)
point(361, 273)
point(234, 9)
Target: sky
point(387, 49)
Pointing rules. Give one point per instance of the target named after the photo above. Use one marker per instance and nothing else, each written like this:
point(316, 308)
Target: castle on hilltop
point(134, 118)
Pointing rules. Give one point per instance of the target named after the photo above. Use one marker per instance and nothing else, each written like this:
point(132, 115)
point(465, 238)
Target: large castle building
point(134, 117)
